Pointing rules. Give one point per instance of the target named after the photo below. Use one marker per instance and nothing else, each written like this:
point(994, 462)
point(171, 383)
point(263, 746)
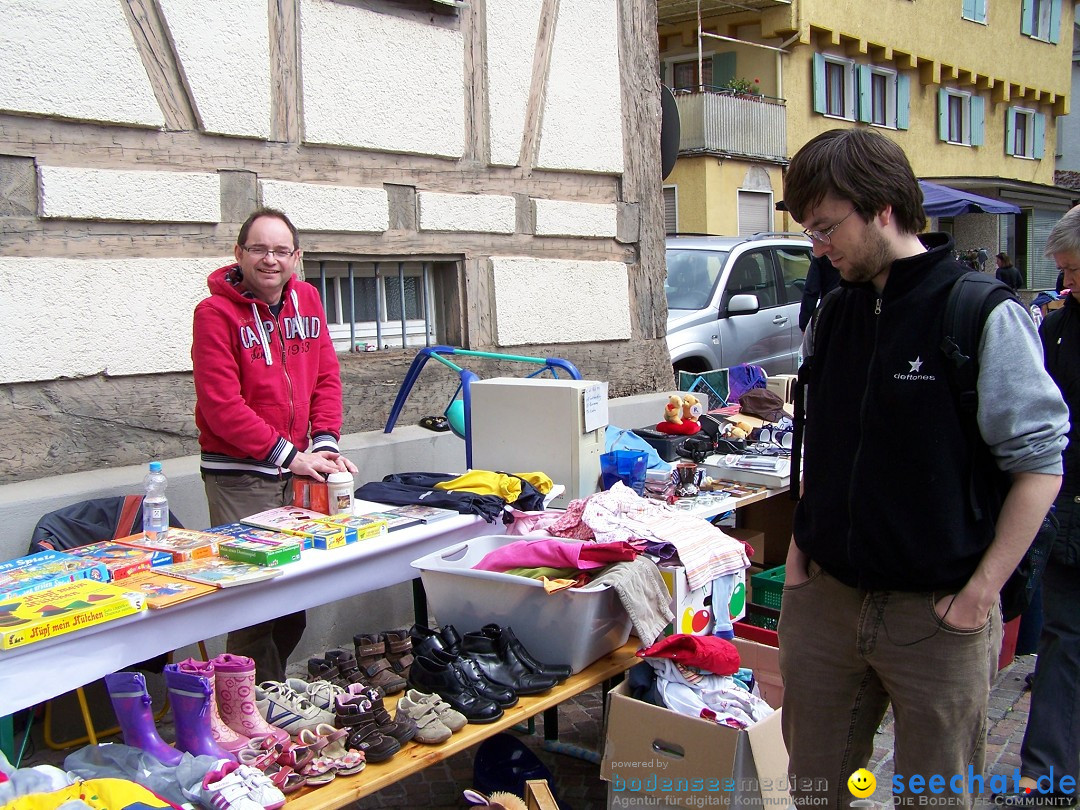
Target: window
point(671, 210)
point(794, 265)
point(685, 74)
point(974, 10)
point(884, 97)
point(1025, 133)
point(1041, 19)
point(377, 303)
point(834, 86)
point(960, 117)
point(753, 275)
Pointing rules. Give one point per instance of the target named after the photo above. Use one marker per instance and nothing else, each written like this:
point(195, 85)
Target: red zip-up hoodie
point(263, 384)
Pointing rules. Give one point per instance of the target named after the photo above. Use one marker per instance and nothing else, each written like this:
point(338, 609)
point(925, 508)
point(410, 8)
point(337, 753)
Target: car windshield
point(691, 277)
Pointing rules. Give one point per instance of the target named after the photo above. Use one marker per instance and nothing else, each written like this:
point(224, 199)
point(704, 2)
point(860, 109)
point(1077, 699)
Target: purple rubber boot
point(131, 703)
point(191, 697)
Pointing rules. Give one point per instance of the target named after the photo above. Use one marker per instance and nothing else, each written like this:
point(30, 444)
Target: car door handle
point(780, 320)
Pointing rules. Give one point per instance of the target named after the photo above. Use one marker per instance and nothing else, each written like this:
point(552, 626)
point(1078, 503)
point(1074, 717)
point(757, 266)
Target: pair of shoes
point(361, 708)
point(498, 656)
point(1034, 798)
point(288, 710)
point(338, 666)
point(457, 682)
point(435, 720)
point(505, 635)
point(371, 654)
point(319, 692)
point(238, 787)
point(329, 742)
point(443, 649)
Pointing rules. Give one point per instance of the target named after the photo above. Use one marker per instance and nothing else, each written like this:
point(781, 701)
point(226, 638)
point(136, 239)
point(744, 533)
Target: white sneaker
point(261, 788)
point(287, 709)
point(238, 787)
point(321, 693)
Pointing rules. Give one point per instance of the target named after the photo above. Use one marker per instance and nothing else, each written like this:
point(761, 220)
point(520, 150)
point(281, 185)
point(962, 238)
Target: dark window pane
point(330, 300)
point(879, 94)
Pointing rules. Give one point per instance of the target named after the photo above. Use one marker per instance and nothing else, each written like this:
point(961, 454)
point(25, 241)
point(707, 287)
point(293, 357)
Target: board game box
point(260, 551)
point(63, 608)
point(43, 570)
point(182, 544)
point(244, 530)
point(365, 527)
point(121, 560)
point(304, 522)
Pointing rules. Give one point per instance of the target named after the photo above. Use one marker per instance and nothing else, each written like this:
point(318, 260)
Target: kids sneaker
point(287, 709)
point(239, 787)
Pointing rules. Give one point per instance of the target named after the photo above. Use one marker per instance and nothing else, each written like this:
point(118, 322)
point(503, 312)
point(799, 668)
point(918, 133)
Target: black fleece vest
point(887, 469)
point(1060, 334)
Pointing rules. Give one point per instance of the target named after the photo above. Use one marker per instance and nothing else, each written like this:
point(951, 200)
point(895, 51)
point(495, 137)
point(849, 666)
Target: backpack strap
point(125, 524)
point(972, 297)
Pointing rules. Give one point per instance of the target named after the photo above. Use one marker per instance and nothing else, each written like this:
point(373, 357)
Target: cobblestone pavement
point(577, 780)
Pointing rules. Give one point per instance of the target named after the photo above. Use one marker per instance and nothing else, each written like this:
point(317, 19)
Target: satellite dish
point(669, 130)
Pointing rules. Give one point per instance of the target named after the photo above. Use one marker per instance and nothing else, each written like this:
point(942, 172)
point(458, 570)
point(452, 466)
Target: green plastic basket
point(767, 591)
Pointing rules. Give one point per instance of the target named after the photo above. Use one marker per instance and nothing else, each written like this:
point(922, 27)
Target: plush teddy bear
point(673, 411)
point(677, 415)
point(691, 408)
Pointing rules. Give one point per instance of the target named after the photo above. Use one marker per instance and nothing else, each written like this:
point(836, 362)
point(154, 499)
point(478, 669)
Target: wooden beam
point(534, 107)
point(286, 82)
point(161, 64)
point(477, 115)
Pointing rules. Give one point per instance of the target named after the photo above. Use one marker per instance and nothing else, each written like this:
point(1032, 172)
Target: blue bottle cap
point(155, 466)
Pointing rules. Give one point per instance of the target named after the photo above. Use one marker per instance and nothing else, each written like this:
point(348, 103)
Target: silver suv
point(735, 299)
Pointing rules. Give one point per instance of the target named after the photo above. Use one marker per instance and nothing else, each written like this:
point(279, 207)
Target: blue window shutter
point(819, 83)
point(1039, 136)
point(977, 120)
point(1027, 17)
point(980, 10)
point(865, 93)
point(1010, 131)
point(1055, 21)
point(969, 10)
point(723, 68)
point(903, 101)
point(943, 114)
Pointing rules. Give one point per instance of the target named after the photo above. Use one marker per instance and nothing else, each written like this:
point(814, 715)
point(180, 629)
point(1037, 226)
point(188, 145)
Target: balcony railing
point(744, 125)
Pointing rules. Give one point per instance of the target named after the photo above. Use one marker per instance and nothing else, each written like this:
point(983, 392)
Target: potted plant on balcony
point(744, 88)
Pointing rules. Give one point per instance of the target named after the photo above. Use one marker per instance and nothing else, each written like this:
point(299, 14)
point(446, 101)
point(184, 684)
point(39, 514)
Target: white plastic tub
point(573, 627)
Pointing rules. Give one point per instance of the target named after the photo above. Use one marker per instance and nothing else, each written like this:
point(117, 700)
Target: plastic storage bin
point(573, 627)
point(767, 590)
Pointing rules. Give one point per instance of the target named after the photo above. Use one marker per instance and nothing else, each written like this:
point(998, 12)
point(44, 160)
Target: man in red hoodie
point(268, 401)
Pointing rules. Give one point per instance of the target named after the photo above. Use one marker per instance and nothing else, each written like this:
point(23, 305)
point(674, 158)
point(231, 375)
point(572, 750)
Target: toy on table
point(681, 416)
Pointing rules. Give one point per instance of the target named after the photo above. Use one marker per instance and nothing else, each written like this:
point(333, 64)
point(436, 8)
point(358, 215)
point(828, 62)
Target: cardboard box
point(693, 608)
point(657, 757)
point(773, 517)
point(783, 385)
point(755, 538)
point(310, 494)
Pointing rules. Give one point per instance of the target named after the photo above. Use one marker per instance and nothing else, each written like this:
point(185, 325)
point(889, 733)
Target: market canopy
point(943, 201)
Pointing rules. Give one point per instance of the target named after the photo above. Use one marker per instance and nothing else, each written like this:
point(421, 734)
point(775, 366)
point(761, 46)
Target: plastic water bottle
point(155, 504)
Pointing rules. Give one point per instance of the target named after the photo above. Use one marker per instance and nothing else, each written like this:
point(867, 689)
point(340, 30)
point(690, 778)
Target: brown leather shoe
point(370, 656)
point(398, 645)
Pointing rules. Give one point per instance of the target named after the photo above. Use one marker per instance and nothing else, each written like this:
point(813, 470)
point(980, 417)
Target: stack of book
point(304, 523)
point(45, 569)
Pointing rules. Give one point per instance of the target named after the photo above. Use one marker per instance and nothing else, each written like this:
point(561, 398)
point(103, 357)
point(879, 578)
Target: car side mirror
point(743, 304)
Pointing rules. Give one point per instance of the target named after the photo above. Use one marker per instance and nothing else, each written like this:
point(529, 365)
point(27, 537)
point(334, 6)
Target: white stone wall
point(224, 51)
point(511, 47)
point(378, 81)
point(73, 318)
point(479, 213)
point(565, 218)
point(73, 59)
point(560, 301)
point(328, 208)
point(147, 196)
point(582, 121)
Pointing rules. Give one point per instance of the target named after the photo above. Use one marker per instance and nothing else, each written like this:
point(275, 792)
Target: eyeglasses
point(259, 251)
point(825, 237)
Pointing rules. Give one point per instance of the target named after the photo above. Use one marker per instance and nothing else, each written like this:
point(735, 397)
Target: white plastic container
point(339, 492)
point(573, 627)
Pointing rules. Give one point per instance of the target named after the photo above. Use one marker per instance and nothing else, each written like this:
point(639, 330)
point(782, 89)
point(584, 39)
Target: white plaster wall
point(119, 316)
point(74, 193)
point(560, 301)
point(564, 218)
point(328, 208)
point(582, 121)
point(224, 52)
point(478, 213)
point(512, 27)
point(73, 59)
point(377, 81)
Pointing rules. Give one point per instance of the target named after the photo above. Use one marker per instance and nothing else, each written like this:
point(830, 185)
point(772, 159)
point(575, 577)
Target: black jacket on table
point(887, 467)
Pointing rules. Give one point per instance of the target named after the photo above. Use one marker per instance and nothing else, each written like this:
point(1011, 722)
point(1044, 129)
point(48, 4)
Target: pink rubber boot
point(234, 681)
point(223, 735)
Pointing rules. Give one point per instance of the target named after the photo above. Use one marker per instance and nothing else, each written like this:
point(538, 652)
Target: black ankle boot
point(559, 671)
point(503, 667)
point(471, 673)
point(443, 680)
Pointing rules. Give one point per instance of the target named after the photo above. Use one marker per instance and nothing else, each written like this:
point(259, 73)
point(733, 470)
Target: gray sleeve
point(1022, 416)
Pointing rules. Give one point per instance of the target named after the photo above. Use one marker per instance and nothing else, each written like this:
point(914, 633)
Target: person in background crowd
point(267, 384)
point(1052, 738)
point(1007, 272)
point(890, 599)
point(820, 278)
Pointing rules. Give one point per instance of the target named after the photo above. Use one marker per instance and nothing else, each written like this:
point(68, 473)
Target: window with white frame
point(974, 10)
point(1041, 19)
point(383, 303)
point(1025, 133)
point(883, 97)
point(960, 117)
point(834, 86)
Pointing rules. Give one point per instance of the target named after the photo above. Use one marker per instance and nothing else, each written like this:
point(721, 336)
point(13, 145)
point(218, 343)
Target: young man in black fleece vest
point(892, 579)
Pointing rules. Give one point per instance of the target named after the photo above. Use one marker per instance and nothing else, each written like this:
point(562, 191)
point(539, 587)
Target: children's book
point(281, 517)
point(366, 527)
point(427, 514)
point(43, 570)
point(122, 561)
point(63, 608)
point(244, 530)
point(394, 520)
point(182, 544)
point(219, 572)
point(260, 551)
point(162, 590)
point(303, 522)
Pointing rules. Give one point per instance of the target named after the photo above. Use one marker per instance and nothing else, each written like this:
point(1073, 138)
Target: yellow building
point(971, 89)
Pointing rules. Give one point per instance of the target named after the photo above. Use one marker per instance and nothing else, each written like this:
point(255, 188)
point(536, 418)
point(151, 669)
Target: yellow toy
point(691, 408)
point(673, 411)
